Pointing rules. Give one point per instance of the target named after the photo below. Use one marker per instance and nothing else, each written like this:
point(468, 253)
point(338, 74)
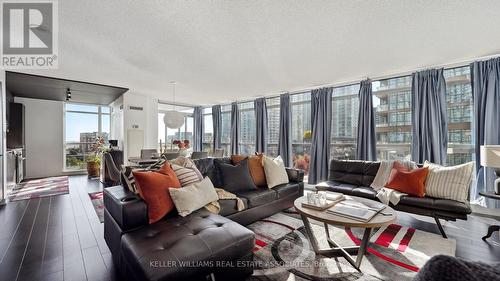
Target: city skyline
point(392, 107)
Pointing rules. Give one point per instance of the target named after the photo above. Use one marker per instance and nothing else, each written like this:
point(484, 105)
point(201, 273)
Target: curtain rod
point(455, 64)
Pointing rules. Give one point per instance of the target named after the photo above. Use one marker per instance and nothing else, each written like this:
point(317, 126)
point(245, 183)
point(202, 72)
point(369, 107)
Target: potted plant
point(94, 159)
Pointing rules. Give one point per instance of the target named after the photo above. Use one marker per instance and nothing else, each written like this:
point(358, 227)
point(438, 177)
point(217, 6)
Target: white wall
point(44, 137)
point(116, 128)
point(146, 120)
point(45, 128)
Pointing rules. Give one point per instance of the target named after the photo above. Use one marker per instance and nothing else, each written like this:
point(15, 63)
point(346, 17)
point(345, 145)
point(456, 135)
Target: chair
point(218, 153)
point(199, 154)
point(170, 155)
point(148, 153)
point(112, 171)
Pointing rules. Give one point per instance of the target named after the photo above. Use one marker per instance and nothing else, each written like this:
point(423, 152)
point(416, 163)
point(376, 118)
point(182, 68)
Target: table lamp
point(490, 157)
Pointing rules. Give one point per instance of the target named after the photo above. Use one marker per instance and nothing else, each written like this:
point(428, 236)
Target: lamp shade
point(490, 156)
point(173, 119)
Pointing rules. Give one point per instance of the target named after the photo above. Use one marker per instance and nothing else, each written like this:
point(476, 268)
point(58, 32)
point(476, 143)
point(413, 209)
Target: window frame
point(242, 110)
point(207, 112)
point(99, 114)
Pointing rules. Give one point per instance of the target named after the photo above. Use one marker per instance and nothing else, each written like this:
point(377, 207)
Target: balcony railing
point(382, 108)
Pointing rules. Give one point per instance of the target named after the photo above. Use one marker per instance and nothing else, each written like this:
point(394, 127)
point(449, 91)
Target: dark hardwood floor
point(55, 238)
point(60, 237)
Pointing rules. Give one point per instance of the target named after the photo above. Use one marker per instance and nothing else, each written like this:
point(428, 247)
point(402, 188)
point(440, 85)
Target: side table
point(492, 228)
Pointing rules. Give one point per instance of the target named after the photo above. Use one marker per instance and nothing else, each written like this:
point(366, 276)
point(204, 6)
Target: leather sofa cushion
point(257, 197)
point(126, 207)
point(365, 192)
point(207, 168)
point(353, 171)
point(336, 186)
point(287, 189)
point(295, 175)
point(437, 204)
point(348, 189)
point(199, 237)
point(425, 202)
point(229, 207)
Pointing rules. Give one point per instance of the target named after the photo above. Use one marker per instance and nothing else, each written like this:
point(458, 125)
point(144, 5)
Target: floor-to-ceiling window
point(226, 129)
point(345, 106)
point(392, 104)
point(459, 100)
point(208, 129)
point(166, 135)
point(273, 125)
point(247, 128)
point(84, 124)
point(301, 130)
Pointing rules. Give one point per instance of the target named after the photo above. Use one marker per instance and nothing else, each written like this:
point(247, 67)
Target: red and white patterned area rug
point(40, 188)
point(283, 251)
point(98, 203)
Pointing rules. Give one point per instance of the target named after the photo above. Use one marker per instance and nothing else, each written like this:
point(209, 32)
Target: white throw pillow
point(275, 171)
point(449, 182)
point(193, 197)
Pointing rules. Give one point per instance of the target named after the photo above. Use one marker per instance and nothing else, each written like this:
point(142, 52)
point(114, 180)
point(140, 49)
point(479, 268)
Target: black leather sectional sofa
point(191, 247)
point(353, 177)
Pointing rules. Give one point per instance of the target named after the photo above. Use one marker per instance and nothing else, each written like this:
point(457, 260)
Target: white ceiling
point(219, 51)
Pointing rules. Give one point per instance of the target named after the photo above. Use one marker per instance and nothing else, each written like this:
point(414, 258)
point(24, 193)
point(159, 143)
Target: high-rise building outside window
point(208, 130)
point(273, 125)
point(226, 129)
point(392, 104)
point(301, 130)
point(345, 107)
point(83, 125)
point(459, 99)
point(247, 128)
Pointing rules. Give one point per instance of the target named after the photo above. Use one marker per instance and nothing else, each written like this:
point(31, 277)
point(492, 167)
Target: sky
point(79, 122)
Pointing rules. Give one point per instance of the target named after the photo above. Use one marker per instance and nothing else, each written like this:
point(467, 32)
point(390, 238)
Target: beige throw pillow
point(275, 171)
point(190, 198)
point(449, 182)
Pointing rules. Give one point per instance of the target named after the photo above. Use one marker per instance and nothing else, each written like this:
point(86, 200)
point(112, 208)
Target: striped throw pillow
point(449, 182)
point(186, 175)
point(127, 179)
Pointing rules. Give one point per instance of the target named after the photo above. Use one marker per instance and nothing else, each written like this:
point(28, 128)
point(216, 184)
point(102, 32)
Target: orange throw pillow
point(153, 188)
point(409, 182)
point(254, 165)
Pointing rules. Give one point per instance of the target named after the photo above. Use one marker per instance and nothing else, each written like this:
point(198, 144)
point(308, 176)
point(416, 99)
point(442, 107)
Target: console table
point(492, 228)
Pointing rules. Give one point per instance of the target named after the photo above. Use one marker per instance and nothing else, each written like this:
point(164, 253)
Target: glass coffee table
point(385, 217)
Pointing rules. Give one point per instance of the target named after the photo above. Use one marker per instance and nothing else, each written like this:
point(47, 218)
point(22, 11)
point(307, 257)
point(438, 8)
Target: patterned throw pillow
point(185, 175)
point(127, 178)
point(449, 182)
point(186, 171)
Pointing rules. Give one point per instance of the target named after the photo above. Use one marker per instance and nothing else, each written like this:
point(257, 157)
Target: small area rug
point(98, 203)
point(40, 188)
point(282, 251)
